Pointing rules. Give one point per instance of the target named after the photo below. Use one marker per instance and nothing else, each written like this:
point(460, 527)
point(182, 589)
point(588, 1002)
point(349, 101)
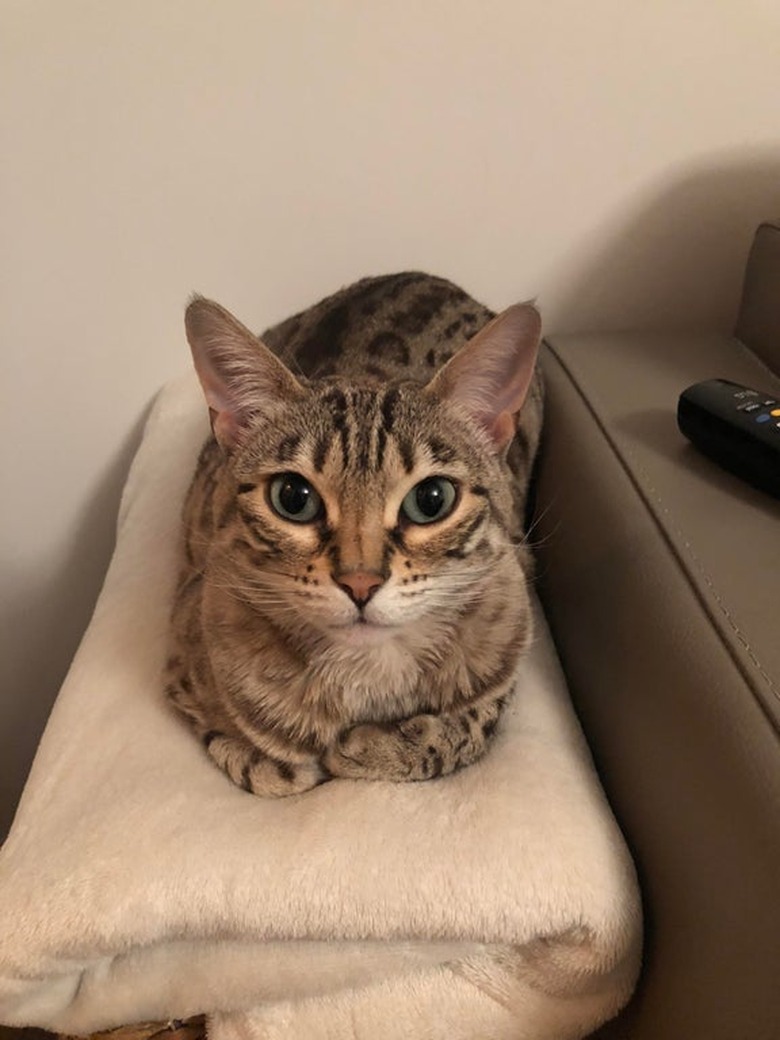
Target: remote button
point(752, 407)
point(764, 417)
point(775, 412)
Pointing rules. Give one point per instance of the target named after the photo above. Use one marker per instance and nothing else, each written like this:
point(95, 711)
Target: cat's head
point(368, 508)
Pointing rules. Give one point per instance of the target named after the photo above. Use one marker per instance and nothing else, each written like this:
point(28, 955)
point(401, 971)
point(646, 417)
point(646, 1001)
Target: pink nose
point(360, 586)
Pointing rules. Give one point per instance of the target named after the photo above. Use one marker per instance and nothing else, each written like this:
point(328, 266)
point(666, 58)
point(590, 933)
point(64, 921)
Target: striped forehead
point(353, 426)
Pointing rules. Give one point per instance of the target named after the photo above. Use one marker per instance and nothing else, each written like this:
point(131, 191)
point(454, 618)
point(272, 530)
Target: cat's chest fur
point(353, 598)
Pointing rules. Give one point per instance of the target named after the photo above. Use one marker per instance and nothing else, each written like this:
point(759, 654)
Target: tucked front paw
point(408, 750)
point(420, 730)
point(369, 752)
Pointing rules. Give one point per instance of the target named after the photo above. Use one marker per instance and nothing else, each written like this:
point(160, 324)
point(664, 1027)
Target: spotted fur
point(358, 644)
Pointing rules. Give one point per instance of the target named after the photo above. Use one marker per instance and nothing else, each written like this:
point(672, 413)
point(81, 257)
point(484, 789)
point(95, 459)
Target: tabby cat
point(353, 601)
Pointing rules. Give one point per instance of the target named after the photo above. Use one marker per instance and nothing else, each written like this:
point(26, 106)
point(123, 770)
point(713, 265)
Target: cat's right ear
point(491, 375)
point(239, 374)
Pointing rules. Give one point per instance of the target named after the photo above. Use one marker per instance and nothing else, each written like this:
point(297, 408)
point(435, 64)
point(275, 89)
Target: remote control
point(737, 427)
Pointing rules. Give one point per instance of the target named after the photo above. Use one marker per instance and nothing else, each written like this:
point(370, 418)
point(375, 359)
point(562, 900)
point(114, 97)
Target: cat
point(354, 600)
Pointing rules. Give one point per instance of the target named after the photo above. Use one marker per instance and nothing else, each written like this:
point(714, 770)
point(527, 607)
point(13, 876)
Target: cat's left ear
point(490, 376)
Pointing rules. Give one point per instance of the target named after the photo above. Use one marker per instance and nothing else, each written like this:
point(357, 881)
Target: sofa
point(658, 573)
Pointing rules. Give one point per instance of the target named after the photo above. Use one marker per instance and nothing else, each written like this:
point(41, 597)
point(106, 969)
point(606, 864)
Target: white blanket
point(138, 883)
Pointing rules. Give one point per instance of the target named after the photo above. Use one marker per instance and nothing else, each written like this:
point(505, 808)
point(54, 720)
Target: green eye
point(293, 498)
point(431, 499)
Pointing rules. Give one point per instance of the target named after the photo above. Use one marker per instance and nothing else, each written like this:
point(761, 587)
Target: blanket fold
point(139, 884)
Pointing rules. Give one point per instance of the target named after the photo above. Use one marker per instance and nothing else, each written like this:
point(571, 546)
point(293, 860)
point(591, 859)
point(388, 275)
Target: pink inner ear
point(224, 427)
point(490, 376)
point(238, 373)
point(214, 389)
point(223, 414)
point(503, 429)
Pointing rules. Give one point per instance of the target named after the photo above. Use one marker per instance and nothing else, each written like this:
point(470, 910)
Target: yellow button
point(775, 411)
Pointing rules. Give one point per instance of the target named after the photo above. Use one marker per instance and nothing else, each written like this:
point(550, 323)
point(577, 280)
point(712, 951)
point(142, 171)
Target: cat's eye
point(293, 498)
point(431, 499)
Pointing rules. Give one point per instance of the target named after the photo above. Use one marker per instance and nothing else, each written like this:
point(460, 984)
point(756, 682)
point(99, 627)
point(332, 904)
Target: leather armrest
point(660, 576)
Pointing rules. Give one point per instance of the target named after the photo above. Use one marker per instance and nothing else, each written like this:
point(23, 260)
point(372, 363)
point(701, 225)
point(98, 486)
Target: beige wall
point(611, 157)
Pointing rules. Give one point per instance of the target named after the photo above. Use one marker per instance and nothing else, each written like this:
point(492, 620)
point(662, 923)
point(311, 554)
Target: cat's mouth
point(361, 630)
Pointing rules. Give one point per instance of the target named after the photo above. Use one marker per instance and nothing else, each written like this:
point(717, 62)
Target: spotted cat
point(353, 598)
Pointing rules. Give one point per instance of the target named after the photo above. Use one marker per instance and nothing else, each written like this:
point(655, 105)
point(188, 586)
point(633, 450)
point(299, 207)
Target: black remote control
point(737, 427)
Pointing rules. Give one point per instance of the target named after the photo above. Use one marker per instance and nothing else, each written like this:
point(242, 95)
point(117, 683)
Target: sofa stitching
point(732, 622)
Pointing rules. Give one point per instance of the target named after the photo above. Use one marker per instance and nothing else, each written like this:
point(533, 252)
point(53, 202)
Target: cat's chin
point(364, 633)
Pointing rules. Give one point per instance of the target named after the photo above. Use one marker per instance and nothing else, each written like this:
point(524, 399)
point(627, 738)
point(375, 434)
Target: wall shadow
point(676, 260)
point(42, 618)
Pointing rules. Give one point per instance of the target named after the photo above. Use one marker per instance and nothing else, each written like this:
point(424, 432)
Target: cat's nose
point(360, 586)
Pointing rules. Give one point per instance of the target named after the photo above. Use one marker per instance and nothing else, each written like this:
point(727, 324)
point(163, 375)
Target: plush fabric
point(139, 884)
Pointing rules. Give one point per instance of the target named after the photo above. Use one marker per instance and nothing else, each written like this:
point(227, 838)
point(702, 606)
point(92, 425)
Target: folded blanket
point(139, 884)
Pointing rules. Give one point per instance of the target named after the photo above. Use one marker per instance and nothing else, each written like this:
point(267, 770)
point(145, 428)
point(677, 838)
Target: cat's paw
point(300, 777)
point(261, 774)
point(403, 751)
point(369, 752)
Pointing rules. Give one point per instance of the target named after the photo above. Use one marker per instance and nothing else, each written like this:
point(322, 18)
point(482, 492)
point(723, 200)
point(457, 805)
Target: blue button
point(765, 417)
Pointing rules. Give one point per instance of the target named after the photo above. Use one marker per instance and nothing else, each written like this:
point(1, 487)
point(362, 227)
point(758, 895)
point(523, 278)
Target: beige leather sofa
point(660, 574)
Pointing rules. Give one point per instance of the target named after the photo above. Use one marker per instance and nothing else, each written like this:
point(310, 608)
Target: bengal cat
point(353, 600)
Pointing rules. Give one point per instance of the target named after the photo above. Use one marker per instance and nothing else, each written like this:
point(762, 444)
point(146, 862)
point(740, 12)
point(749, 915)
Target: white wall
point(611, 157)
